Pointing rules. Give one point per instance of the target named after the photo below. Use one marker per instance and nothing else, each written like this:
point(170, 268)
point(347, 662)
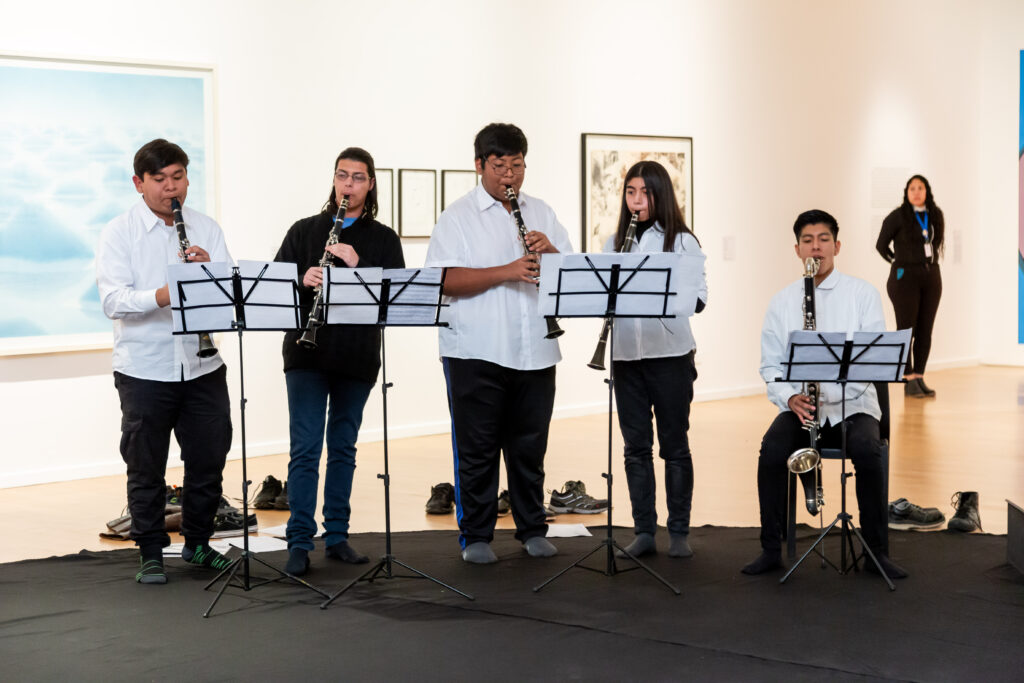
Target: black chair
point(836, 454)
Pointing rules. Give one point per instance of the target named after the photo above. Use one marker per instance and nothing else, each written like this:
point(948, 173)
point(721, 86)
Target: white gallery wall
point(791, 105)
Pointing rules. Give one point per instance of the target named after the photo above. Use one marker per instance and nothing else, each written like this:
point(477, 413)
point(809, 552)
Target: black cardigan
point(907, 239)
point(347, 350)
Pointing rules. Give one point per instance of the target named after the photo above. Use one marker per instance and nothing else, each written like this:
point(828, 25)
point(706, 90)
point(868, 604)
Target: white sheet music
point(353, 295)
point(813, 361)
point(271, 301)
point(875, 356)
point(415, 294)
point(882, 361)
point(197, 288)
point(651, 284)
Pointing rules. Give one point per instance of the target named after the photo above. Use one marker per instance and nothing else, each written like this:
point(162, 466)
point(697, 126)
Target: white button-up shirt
point(637, 338)
point(131, 264)
point(842, 303)
point(503, 324)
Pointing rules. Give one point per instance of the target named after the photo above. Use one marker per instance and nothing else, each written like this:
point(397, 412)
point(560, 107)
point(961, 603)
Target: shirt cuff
point(145, 300)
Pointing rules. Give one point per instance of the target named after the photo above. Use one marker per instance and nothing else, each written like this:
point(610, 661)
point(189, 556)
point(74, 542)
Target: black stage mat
point(960, 616)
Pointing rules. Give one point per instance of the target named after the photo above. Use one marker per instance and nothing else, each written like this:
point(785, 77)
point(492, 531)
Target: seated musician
point(842, 304)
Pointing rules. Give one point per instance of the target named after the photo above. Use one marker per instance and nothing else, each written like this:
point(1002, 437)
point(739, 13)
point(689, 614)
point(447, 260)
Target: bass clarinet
point(806, 462)
point(206, 345)
point(553, 329)
point(316, 314)
point(597, 362)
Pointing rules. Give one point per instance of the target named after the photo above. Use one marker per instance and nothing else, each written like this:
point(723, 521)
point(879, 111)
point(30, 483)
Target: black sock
point(765, 562)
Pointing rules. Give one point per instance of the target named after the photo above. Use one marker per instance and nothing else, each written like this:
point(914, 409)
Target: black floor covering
point(959, 617)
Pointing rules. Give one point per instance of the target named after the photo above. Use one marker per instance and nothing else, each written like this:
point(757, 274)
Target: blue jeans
point(319, 401)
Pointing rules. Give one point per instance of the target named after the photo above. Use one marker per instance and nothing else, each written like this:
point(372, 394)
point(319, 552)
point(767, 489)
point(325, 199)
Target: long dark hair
point(361, 155)
point(936, 221)
point(661, 202)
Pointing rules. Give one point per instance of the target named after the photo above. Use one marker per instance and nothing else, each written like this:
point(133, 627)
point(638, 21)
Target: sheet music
point(200, 290)
point(415, 294)
point(583, 292)
point(351, 295)
point(812, 360)
point(270, 302)
point(882, 361)
point(354, 293)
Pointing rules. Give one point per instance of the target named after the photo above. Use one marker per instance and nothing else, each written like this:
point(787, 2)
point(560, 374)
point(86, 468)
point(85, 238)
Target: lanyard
point(923, 223)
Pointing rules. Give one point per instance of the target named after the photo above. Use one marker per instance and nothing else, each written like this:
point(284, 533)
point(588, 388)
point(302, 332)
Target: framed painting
point(454, 184)
point(386, 196)
point(606, 158)
point(417, 201)
point(69, 130)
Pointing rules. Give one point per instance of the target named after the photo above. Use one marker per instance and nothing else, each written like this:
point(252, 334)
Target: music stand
point(830, 357)
point(254, 295)
point(610, 286)
point(390, 297)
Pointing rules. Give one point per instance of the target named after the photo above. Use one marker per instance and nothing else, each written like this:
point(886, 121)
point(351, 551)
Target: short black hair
point(813, 217)
point(499, 139)
point(158, 154)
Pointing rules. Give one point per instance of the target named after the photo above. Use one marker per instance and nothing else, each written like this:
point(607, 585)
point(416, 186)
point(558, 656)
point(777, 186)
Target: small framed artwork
point(454, 184)
point(605, 159)
point(386, 196)
point(417, 201)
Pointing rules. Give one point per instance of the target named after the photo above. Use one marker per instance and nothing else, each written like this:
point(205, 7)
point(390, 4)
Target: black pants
point(915, 294)
point(863, 447)
point(198, 411)
point(666, 385)
point(496, 409)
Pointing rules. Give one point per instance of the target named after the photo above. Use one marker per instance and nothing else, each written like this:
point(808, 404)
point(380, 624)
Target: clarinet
point(597, 362)
point(206, 345)
point(553, 329)
point(316, 314)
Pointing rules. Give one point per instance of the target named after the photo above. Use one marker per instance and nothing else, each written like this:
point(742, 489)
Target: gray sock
point(642, 545)
point(538, 546)
point(679, 546)
point(479, 553)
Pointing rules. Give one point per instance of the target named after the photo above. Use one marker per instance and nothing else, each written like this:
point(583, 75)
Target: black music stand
point(398, 297)
point(252, 296)
point(830, 357)
point(611, 286)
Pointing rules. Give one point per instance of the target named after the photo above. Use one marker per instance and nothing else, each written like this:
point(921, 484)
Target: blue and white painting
point(68, 134)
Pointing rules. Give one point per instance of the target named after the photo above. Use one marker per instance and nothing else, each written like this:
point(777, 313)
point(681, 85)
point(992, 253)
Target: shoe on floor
point(905, 515)
point(574, 498)
point(268, 492)
point(442, 499)
point(967, 517)
point(928, 391)
point(231, 523)
point(504, 503)
point(913, 388)
point(281, 501)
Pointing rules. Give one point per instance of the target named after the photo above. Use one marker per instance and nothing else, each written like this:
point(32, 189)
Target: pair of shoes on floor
point(573, 498)
point(271, 495)
point(442, 499)
point(229, 521)
point(917, 388)
point(905, 515)
point(967, 518)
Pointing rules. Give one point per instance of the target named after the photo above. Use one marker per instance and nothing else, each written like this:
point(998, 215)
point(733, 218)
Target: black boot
point(913, 388)
point(966, 517)
point(928, 391)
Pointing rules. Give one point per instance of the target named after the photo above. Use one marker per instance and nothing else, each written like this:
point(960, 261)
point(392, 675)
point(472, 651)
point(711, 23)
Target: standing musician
point(163, 384)
point(329, 376)
point(654, 367)
point(842, 304)
point(499, 367)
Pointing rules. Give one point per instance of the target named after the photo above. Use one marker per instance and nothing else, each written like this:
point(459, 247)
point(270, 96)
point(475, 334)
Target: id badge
point(928, 250)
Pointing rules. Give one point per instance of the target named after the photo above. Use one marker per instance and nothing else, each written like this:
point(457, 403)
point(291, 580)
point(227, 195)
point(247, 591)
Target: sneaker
point(967, 517)
point(230, 523)
point(173, 502)
point(905, 515)
point(504, 503)
point(442, 499)
point(268, 492)
point(574, 498)
point(281, 501)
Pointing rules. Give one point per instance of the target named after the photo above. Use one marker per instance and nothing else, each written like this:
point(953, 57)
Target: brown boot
point(967, 517)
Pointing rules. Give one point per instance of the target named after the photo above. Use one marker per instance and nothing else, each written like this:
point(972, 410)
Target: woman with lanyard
point(915, 231)
point(654, 368)
point(328, 383)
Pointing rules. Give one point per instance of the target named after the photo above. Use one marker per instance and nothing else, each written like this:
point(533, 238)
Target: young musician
point(328, 385)
point(163, 385)
point(654, 367)
point(842, 304)
point(499, 367)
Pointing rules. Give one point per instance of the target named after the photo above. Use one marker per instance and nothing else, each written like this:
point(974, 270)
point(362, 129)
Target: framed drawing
point(386, 196)
point(70, 132)
point(417, 201)
point(604, 162)
point(454, 184)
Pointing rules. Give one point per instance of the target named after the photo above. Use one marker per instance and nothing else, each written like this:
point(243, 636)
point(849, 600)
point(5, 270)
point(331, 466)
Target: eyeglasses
point(357, 178)
point(518, 168)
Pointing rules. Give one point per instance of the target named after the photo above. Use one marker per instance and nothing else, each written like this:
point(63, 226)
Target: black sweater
point(904, 233)
point(347, 350)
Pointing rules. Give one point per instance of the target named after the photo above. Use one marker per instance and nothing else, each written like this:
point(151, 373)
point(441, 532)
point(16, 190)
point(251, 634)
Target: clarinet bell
point(206, 346)
point(554, 331)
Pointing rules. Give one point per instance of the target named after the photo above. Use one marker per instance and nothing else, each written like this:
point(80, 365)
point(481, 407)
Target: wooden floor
point(969, 438)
